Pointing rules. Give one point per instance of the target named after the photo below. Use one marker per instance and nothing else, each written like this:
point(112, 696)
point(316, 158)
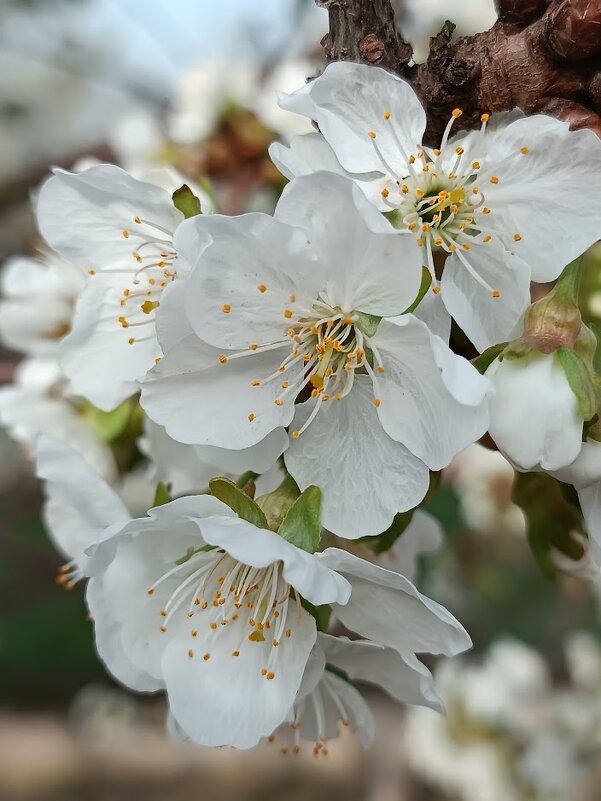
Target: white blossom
point(494, 200)
point(290, 305)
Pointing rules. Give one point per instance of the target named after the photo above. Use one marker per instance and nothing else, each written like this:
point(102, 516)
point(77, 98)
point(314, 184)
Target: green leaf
point(302, 524)
point(580, 382)
point(384, 541)
point(186, 201)
point(161, 495)
point(238, 501)
point(367, 323)
point(485, 359)
point(276, 504)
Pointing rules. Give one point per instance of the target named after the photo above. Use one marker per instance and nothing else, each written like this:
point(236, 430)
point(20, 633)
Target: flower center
point(151, 271)
point(331, 346)
point(441, 199)
point(214, 591)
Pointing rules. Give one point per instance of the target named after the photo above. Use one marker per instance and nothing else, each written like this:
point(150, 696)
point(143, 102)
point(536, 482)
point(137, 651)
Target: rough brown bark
point(539, 56)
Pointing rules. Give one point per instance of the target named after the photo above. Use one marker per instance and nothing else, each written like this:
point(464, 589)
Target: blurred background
point(194, 85)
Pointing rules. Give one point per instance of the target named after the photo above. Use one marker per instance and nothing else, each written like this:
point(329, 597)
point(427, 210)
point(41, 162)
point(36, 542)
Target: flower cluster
point(305, 358)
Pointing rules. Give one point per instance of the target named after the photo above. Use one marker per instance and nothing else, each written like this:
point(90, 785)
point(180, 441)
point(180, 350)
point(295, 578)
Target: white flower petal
point(422, 535)
point(534, 417)
point(406, 680)
point(83, 216)
point(386, 608)
point(259, 458)
point(258, 270)
point(431, 311)
point(540, 194)
point(349, 100)
point(431, 399)
point(366, 264)
point(347, 453)
point(585, 469)
point(201, 401)
point(224, 700)
point(80, 505)
point(485, 319)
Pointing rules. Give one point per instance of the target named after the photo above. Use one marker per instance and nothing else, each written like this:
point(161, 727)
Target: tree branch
point(539, 56)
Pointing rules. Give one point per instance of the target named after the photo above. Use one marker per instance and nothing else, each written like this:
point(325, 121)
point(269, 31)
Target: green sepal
point(186, 201)
point(108, 426)
point(238, 501)
point(550, 524)
point(366, 323)
point(161, 495)
point(580, 382)
point(384, 541)
point(302, 524)
point(423, 288)
point(321, 614)
point(276, 504)
point(485, 359)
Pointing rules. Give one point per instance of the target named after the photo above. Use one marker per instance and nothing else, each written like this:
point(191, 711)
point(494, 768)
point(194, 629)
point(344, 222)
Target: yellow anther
point(270, 675)
point(485, 211)
point(131, 341)
point(295, 434)
point(149, 306)
point(494, 180)
point(377, 402)
point(288, 314)
point(457, 112)
point(465, 246)
point(194, 633)
point(487, 238)
point(485, 118)
point(387, 115)
point(190, 654)
point(475, 165)
point(425, 228)
point(420, 192)
point(91, 271)
point(438, 242)
point(125, 234)
point(436, 290)
point(255, 383)
point(279, 402)
point(262, 288)
point(137, 220)
point(411, 159)
point(284, 385)
point(496, 293)
point(412, 226)
point(524, 151)
point(292, 298)
point(122, 302)
point(459, 151)
point(162, 629)
point(251, 417)
point(384, 193)
point(206, 657)
point(372, 134)
point(420, 243)
point(452, 248)
point(253, 347)
point(223, 358)
point(226, 308)
point(213, 626)
point(405, 189)
point(436, 151)
point(235, 653)
point(150, 591)
point(517, 238)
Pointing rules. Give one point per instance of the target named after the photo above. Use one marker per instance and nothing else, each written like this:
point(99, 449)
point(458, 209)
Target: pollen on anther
point(251, 417)
point(372, 134)
point(162, 629)
point(288, 632)
point(457, 112)
point(262, 288)
point(279, 402)
point(377, 402)
point(223, 358)
point(494, 180)
point(255, 383)
point(496, 293)
point(485, 211)
point(487, 238)
point(137, 220)
point(387, 115)
point(295, 434)
point(475, 165)
point(517, 238)
point(485, 118)
point(131, 341)
point(465, 246)
point(206, 657)
point(194, 633)
point(190, 654)
point(459, 151)
point(125, 234)
point(226, 308)
point(524, 151)
point(150, 591)
point(213, 626)
point(384, 193)
point(288, 314)
point(91, 271)
point(292, 298)
point(235, 653)
point(254, 346)
point(270, 675)
point(436, 290)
